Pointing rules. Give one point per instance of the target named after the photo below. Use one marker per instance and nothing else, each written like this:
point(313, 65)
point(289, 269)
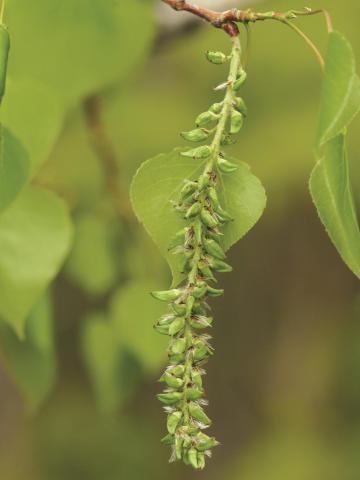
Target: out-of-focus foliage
point(284, 382)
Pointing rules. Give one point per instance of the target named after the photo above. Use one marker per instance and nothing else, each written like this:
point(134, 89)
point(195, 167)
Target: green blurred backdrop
point(284, 384)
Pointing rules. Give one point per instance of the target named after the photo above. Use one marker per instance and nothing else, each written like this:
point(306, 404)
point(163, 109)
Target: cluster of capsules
point(199, 246)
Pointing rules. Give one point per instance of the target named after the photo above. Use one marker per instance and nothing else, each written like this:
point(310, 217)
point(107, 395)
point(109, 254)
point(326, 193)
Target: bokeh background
point(77, 399)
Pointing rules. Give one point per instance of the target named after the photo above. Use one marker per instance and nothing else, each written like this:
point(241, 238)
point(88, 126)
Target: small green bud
point(177, 370)
point(240, 105)
point(176, 326)
point(166, 319)
point(198, 230)
point(217, 58)
point(162, 329)
point(206, 271)
point(213, 196)
point(200, 290)
point(198, 135)
point(201, 460)
point(178, 447)
point(169, 398)
point(205, 118)
point(171, 381)
point(215, 292)
point(198, 413)
point(198, 153)
point(196, 378)
point(188, 189)
point(178, 358)
point(201, 351)
point(204, 442)
point(168, 439)
point(192, 457)
point(225, 166)
point(220, 266)
point(178, 239)
point(208, 219)
point(178, 347)
point(213, 248)
point(201, 322)
point(237, 122)
point(193, 211)
point(173, 421)
point(224, 214)
point(189, 305)
point(193, 393)
point(216, 108)
point(240, 80)
point(167, 295)
point(179, 308)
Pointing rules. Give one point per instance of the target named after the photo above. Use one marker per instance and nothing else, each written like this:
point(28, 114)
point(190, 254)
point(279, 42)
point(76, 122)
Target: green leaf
point(35, 234)
point(33, 113)
point(32, 362)
point(93, 264)
point(330, 184)
point(159, 181)
point(14, 167)
point(133, 314)
point(77, 47)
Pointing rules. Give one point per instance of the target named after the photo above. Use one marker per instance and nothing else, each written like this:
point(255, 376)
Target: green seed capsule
point(200, 291)
point(201, 460)
point(178, 447)
point(204, 442)
point(179, 308)
point(206, 271)
point(200, 323)
point(216, 108)
point(215, 292)
point(213, 248)
point(162, 329)
point(188, 189)
point(205, 118)
point(220, 266)
point(237, 122)
point(170, 398)
point(178, 358)
point(4, 55)
point(178, 370)
point(208, 219)
point(171, 381)
point(166, 319)
point(178, 347)
point(198, 135)
point(240, 80)
point(168, 439)
point(196, 378)
point(193, 393)
point(173, 421)
point(198, 413)
point(176, 326)
point(201, 351)
point(217, 58)
point(193, 457)
point(225, 166)
point(240, 105)
point(167, 295)
point(224, 214)
point(198, 230)
point(189, 305)
point(198, 153)
point(193, 211)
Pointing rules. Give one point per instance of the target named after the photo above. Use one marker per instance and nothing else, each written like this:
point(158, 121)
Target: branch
point(228, 19)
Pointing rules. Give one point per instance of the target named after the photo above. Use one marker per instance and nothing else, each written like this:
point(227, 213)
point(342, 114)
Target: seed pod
point(192, 457)
point(204, 442)
point(216, 107)
point(167, 295)
point(205, 118)
point(177, 370)
point(224, 214)
point(198, 230)
point(201, 322)
point(204, 181)
point(4, 55)
point(213, 248)
point(178, 358)
point(193, 211)
point(193, 393)
point(198, 153)
point(240, 80)
point(166, 319)
point(215, 292)
point(201, 351)
point(240, 105)
point(172, 422)
point(179, 308)
point(201, 460)
point(189, 305)
point(188, 189)
point(219, 266)
point(196, 378)
point(225, 166)
point(169, 398)
point(213, 196)
point(198, 135)
point(176, 326)
point(171, 381)
point(178, 347)
point(208, 219)
point(217, 58)
point(162, 329)
point(237, 122)
point(206, 271)
point(200, 290)
point(198, 413)
point(168, 439)
point(178, 447)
